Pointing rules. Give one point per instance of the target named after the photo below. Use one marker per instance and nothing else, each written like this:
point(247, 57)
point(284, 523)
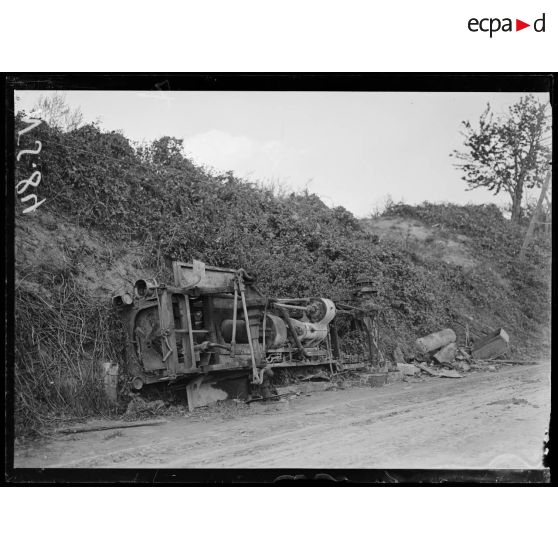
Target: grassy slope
point(113, 213)
point(473, 251)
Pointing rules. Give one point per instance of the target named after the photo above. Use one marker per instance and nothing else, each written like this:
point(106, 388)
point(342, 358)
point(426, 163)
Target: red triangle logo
point(519, 25)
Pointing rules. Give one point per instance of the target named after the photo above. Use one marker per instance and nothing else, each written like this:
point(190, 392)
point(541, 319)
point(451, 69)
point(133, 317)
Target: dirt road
point(484, 420)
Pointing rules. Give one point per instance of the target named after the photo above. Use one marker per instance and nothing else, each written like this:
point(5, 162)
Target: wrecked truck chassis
point(216, 332)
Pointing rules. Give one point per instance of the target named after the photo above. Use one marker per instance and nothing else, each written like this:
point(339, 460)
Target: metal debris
point(446, 354)
point(439, 373)
point(494, 345)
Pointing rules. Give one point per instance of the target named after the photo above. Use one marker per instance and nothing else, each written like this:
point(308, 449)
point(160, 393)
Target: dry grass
point(59, 343)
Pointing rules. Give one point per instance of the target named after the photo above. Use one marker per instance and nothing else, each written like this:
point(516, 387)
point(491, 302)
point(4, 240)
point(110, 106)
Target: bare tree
point(54, 110)
point(508, 152)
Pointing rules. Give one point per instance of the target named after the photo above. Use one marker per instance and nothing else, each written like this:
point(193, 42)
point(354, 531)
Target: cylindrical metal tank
point(435, 340)
point(227, 329)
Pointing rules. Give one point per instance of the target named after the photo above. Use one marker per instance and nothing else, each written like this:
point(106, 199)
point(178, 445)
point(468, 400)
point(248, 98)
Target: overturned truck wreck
point(214, 330)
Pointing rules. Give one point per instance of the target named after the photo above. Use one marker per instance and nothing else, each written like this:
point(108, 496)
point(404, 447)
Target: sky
point(350, 148)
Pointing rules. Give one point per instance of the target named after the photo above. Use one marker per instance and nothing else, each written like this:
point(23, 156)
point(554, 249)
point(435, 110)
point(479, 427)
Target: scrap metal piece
point(444, 373)
point(446, 354)
point(494, 345)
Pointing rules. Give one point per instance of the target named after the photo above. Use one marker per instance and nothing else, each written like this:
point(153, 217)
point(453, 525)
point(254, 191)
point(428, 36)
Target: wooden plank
point(79, 429)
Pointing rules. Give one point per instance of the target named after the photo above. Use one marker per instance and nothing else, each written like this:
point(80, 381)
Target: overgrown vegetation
point(500, 289)
point(60, 341)
point(296, 245)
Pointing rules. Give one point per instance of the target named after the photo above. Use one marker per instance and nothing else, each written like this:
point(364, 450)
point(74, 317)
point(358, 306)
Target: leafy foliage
point(508, 152)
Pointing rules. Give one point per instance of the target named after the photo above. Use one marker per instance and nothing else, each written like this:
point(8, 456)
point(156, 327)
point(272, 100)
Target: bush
point(61, 336)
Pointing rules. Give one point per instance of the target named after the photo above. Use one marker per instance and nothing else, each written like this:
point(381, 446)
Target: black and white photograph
point(282, 274)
